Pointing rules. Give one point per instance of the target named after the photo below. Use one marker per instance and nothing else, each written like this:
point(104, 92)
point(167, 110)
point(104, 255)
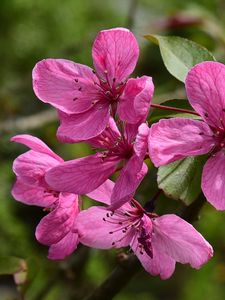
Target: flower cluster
point(108, 110)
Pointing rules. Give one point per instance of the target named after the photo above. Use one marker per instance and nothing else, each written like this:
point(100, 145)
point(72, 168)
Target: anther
point(105, 71)
point(201, 133)
point(75, 98)
point(113, 243)
point(80, 88)
point(114, 79)
point(223, 109)
point(76, 80)
point(206, 115)
point(111, 232)
point(93, 71)
point(104, 219)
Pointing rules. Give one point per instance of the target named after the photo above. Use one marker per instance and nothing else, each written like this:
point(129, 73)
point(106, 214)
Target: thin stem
point(150, 205)
point(174, 109)
point(131, 14)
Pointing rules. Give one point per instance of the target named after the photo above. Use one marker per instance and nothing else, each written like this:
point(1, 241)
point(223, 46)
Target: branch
point(29, 122)
point(124, 272)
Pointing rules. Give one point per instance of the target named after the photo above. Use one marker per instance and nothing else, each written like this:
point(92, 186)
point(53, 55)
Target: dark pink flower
point(83, 175)
point(57, 229)
point(177, 138)
point(158, 242)
point(85, 97)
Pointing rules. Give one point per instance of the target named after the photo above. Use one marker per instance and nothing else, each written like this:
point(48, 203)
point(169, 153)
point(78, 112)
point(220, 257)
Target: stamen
point(76, 80)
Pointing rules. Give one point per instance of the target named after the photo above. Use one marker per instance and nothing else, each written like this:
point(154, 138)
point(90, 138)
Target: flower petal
point(64, 247)
point(103, 192)
point(68, 86)
point(177, 138)
point(35, 144)
point(213, 179)
point(161, 264)
point(97, 233)
point(134, 103)
point(56, 225)
point(32, 166)
point(80, 127)
point(82, 175)
point(181, 241)
point(141, 142)
point(206, 92)
point(129, 179)
point(32, 195)
point(115, 53)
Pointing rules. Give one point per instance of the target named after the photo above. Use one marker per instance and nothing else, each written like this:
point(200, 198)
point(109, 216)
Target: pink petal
point(206, 92)
point(127, 183)
point(115, 53)
point(160, 264)
point(95, 232)
point(35, 144)
point(32, 195)
point(181, 241)
point(32, 166)
point(68, 86)
point(134, 103)
point(64, 247)
point(174, 139)
point(103, 192)
point(213, 179)
point(79, 127)
point(141, 142)
point(58, 223)
point(83, 175)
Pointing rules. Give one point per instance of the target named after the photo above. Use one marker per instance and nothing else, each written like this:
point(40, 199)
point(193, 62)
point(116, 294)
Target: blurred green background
point(33, 30)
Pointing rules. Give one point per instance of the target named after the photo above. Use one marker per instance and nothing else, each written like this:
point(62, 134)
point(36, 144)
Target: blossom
point(177, 138)
point(85, 97)
point(57, 229)
point(158, 242)
point(126, 149)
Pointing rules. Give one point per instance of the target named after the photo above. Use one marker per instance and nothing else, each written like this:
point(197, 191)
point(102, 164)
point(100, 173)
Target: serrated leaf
point(157, 114)
point(181, 180)
point(179, 54)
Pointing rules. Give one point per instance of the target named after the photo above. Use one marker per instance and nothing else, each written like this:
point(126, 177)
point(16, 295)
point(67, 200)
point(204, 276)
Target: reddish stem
point(174, 109)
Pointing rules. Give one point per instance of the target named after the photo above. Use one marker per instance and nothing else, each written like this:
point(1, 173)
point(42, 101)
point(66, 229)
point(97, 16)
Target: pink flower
point(177, 138)
point(83, 175)
point(158, 242)
point(84, 97)
point(57, 229)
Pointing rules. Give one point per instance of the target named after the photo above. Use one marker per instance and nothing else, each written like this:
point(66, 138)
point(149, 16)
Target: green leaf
point(179, 54)
point(11, 265)
point(156, 114)
point(181, 180)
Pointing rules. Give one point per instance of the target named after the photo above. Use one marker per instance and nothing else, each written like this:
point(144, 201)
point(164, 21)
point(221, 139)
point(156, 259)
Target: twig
point(123, 273)
point(29, 122)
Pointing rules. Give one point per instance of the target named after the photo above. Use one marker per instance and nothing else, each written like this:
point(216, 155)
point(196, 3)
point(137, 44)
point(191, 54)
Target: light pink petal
point(115, 53)
point(127, 183)
point(213, 180)
point(79, 127)
point(32, 195)
point(35, 144)
point(83, 175)
point(141, 142)
point(160, 263)
point(97, 233)
point(181, 241)
point(108, 138)
point(32, 166)
point(206, 92)
point(64, 247)
point(174, 139)
point(68, 86)
point(134, 103)
point(103, 192)
point(56, 225)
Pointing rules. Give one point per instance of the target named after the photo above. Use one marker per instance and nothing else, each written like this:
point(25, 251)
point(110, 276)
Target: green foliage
point(179, 55)
point(181, 180)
